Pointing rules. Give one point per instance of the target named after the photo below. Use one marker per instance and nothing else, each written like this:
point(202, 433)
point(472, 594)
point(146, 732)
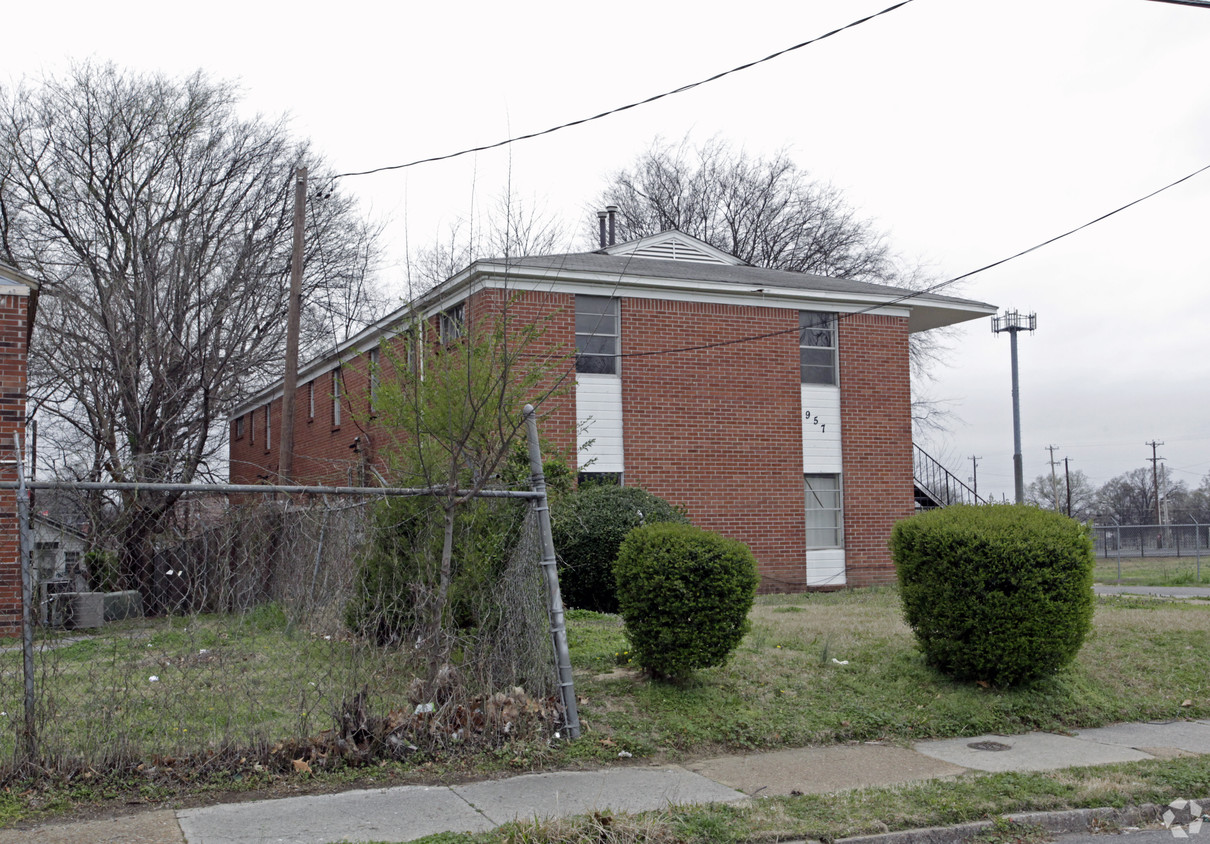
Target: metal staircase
point(937, 486)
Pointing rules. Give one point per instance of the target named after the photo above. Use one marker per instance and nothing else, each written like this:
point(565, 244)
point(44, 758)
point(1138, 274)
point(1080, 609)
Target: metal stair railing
point(937, 486)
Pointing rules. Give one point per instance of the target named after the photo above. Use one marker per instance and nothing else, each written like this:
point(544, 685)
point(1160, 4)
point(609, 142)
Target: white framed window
point(597, 335)
point(268, 426)
point(451, 324)
point(311, 400)
point(372, 363)
point(825, 511)
point(46, 559)
point(239, 427)
point(817, 347)
point(336, 398)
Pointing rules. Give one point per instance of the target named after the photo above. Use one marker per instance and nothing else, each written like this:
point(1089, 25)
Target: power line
point(916, 293)
point(682, 89)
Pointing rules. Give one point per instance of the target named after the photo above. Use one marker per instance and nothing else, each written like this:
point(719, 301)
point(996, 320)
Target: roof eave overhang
point(929, 314)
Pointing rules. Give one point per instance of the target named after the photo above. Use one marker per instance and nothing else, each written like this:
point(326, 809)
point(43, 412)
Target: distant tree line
point(1129, 498)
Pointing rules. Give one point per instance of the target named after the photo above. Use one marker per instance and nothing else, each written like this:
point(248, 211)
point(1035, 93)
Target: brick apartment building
point(774, 406)
point(18, 296)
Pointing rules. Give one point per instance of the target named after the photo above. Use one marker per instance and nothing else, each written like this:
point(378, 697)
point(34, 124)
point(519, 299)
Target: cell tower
point(1013, 322)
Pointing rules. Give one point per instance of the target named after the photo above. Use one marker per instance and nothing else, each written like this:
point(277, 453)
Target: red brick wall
point(322, 452)
point(876, 426)
point(553, 318)
point(717, 429)
point(13, 362)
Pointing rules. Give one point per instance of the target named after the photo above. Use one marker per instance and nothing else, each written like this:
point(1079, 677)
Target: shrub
point(397, 570)
point(104, 571)
point(684, 594)
point(999, 593)
point(588, 526)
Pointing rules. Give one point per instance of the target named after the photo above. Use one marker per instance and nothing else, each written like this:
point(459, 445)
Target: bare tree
point(1044, 489)
point(1129, 497)
point(160, 224)
point(512, 228)
point(764, 211)
point(769, 213)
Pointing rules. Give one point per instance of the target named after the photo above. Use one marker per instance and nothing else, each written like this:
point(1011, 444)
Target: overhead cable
point(688, 87)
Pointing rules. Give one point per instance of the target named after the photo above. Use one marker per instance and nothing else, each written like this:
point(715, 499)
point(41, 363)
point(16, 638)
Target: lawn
point(820, 668)
point(826, 668)
point(1188, 570)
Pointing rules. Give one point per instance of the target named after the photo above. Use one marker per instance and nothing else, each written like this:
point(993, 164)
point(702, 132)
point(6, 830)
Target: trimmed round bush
point(684, 594)
point(588, 527)
point(997, 593)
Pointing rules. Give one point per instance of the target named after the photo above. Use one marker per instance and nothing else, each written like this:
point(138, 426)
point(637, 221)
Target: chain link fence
point(1171, 553)
point(247, 627)
point(1189, 540)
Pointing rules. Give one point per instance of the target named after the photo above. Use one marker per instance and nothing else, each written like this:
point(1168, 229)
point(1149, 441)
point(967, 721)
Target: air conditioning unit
point(87, 609)
point(53, 609)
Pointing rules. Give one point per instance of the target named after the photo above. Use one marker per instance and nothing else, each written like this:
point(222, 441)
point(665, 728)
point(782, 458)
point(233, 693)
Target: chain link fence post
point(29, 738)
point(558, 626)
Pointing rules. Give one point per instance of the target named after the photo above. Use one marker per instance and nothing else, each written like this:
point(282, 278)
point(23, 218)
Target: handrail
point(938, 484)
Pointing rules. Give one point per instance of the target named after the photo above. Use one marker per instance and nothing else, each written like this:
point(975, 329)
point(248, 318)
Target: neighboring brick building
point(18, 296)
point(774, 406)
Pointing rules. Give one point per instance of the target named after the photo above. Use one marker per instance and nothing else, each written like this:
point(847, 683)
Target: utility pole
point(1155, 486)
point(285, 462)
point(975, 474)
point(1013, 322)
point(1067, 480)
point(1054, 481)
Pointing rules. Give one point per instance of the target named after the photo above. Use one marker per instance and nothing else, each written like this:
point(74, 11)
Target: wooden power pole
point(285, 462)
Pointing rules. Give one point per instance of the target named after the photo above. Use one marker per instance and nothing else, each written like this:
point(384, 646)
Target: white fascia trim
point(457, 289)
point(14, 290)
point(680, 290)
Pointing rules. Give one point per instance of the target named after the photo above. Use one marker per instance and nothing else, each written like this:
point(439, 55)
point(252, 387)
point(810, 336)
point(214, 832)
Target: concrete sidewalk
point(409, 812)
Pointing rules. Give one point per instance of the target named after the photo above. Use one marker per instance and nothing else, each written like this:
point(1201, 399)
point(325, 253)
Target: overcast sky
point(968, 130)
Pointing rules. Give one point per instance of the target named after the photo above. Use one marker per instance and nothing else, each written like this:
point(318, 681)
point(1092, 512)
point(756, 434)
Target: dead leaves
point(362, 737)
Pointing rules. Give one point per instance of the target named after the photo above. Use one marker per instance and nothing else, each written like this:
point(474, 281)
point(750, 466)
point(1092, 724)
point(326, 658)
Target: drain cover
point(989, 745)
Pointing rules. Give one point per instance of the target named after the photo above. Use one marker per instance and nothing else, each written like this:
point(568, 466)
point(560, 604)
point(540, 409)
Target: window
point(239, 428)
point(373, 367)
point(311, 400)
point(451, 324)
point(46, 559)
point(602, 478)
point(335, 398)
point(251, 427)
point(825, 513)
point(268, 429)
point(817, 347)
point(597, 335)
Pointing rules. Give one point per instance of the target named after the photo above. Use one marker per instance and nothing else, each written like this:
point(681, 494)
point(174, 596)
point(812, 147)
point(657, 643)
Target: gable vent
point(671, 250)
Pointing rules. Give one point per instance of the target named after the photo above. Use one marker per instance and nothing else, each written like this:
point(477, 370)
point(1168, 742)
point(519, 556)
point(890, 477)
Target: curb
point(1059, 823)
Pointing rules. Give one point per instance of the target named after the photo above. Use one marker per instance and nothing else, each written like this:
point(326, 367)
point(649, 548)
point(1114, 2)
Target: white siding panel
point(820, 415)
point(599, 421)
point(825, 568)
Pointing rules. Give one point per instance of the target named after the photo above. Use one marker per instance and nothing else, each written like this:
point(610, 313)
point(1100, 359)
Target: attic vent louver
point(671, 250)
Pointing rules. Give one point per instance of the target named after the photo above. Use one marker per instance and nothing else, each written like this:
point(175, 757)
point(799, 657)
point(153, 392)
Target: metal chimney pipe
point(613, 232)
point(601, 219)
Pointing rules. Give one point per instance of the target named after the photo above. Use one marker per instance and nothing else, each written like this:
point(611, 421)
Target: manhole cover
point(989, 745)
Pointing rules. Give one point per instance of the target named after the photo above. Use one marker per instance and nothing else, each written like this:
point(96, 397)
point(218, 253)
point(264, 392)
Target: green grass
point(1154, 570)
point(784, 687)
point(189, 685)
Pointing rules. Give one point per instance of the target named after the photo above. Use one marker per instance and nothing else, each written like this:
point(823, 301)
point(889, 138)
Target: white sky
point(968, 129)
